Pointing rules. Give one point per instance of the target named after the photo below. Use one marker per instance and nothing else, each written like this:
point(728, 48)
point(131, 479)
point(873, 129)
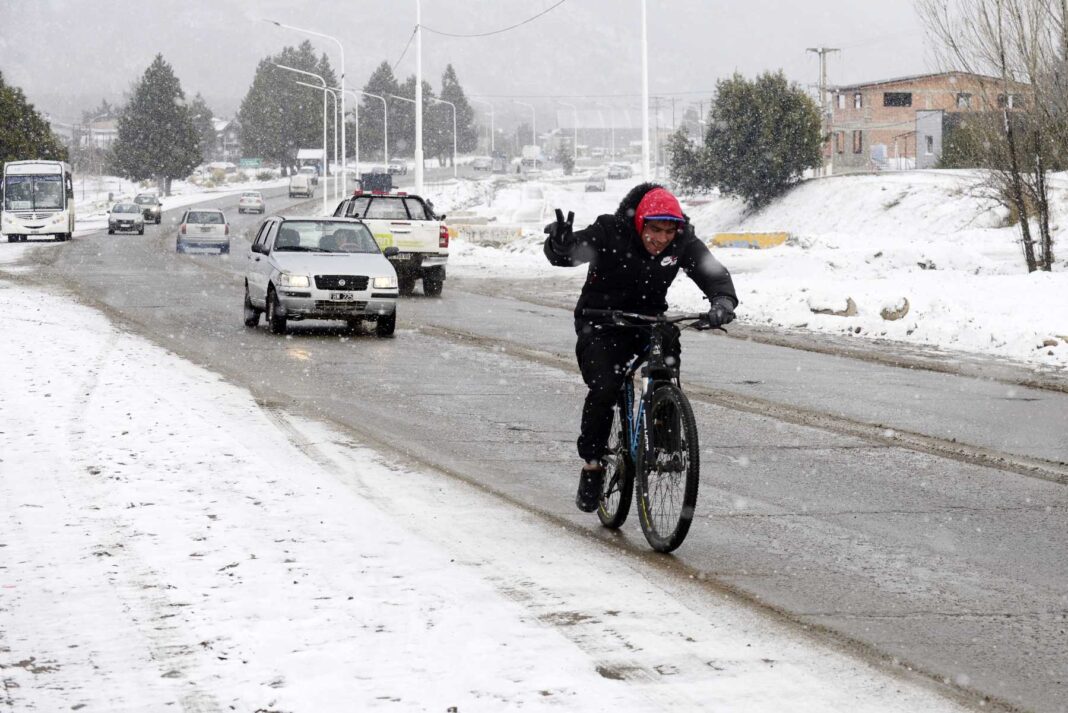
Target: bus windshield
point(34, 193)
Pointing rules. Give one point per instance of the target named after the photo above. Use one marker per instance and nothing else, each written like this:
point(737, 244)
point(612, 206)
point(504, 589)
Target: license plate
point(342, 296)
point(403, 256)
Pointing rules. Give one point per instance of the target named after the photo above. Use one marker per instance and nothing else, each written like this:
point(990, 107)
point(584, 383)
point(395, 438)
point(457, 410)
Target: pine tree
point(156, 135)
point(762, 136)
point(203, 120)
point(24, 134)
point(381, 83)
point(277, 115)
point(467, 132)
point(405, 124)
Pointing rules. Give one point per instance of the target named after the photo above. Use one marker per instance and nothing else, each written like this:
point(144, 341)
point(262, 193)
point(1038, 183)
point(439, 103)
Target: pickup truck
point(408, 223)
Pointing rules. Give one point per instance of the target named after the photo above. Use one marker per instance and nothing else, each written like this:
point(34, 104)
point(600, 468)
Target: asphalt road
point(833, 495)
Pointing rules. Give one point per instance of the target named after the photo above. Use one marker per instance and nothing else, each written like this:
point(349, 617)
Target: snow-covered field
point(924, 236)
point(167, 542)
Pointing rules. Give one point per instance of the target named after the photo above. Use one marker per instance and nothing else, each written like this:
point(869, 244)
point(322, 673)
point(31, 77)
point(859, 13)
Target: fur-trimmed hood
point(629, 205)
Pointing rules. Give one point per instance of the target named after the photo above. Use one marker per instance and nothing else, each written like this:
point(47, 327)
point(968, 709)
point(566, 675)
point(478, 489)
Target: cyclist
point(634, 255)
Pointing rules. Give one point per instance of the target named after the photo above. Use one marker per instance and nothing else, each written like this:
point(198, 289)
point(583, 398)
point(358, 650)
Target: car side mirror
point(257, 248)
point(441, 217)
point(391, 251)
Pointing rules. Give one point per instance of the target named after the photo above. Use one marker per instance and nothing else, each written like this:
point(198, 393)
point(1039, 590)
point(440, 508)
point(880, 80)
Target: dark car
point(150, 206)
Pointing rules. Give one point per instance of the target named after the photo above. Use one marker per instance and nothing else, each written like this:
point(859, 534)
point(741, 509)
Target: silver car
point(126, 217)
point(251, 201)
point(203, 229)
point(319, 268)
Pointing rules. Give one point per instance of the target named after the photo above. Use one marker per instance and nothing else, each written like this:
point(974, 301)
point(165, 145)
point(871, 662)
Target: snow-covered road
point(169, 544)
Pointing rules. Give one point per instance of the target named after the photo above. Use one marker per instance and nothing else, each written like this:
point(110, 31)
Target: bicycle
point(654, 442)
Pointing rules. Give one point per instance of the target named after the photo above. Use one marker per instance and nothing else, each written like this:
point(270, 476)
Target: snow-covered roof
point(315, 154)
point(917, 77)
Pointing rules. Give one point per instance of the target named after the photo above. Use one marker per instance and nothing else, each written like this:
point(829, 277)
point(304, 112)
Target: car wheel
point(385, 326)
point(252, 315)
point(179, 248)
point(110, 231)
point(432, 285)
point(225, 249)
point(405, 285)
point(276, 321)
point(141, 231)
point(159, 219)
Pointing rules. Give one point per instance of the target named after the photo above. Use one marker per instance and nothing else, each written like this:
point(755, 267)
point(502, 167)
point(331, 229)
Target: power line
point(410, 38)
point(496, 32)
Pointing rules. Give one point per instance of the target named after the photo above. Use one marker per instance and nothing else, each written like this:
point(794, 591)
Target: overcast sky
point(73, 53)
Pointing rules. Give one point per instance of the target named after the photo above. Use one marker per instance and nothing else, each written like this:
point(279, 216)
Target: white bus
point(37, 199)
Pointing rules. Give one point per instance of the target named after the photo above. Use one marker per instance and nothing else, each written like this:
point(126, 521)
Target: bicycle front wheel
point(668, 469)
point(618, 488)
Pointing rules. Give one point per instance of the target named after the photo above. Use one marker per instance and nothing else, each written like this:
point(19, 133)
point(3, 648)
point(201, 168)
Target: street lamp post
point(441, 101)
point(574, 140)
point(491, 146)
point(323, 89)
point(533, 126)
point(385, 121)
point(326, 172)
point(341, 49)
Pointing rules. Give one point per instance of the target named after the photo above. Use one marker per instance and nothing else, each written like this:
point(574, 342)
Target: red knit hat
point(657, 204)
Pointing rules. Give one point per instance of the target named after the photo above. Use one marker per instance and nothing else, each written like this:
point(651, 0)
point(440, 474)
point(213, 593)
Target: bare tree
point(1017, 50)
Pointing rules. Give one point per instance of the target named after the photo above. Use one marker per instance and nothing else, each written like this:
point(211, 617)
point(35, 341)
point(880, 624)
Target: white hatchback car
point(251, 202)
point(203, 229)
point(126, 216)
point(319, 268)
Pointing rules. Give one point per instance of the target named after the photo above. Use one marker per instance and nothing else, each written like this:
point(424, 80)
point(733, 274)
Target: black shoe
point(589, 490)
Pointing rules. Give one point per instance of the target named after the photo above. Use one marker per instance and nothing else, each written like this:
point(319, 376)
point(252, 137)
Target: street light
point(533, 126)
point(645, 96)
point(385, 121)
point(341, 49)
point(483, 101)
point(574, 141)
point(326, 172)
point(323, 88)
point(441, 101)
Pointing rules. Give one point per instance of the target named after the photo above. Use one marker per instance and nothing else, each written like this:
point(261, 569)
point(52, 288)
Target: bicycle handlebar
point(650, 319)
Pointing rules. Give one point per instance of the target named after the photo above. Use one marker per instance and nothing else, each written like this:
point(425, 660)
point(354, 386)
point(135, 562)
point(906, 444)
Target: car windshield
point(145, 200)
point(205, 217)
point(33, 193)
point(126, 208)
point(250, 195)
point(324, 236)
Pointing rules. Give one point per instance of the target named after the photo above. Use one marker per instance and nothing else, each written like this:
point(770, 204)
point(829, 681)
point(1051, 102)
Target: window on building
point(858, 141)
point(1003, 101)
point(858, 100)
point(897, 99)
point(964, 100)
point(1016, 101)
point(839, 142)
point(841, 101)
point(930, 145)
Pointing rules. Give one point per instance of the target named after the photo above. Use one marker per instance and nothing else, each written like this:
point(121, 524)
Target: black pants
point(604, 353)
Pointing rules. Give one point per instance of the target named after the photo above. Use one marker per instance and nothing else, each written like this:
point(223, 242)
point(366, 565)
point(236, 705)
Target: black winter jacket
point(624, 276)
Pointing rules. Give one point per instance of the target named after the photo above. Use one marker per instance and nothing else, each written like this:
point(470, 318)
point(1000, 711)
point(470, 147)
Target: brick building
point(899, 123)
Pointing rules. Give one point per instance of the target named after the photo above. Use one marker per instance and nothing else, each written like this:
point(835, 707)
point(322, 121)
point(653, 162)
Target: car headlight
point(385, 283)
point(288, 280)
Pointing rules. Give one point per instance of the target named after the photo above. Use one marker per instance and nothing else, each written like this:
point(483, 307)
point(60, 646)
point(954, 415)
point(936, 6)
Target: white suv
point(319, 268)
point(408, 223)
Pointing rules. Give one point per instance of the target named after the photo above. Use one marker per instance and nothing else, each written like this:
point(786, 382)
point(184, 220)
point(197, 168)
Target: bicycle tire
point(667, 478)
point(617, 492)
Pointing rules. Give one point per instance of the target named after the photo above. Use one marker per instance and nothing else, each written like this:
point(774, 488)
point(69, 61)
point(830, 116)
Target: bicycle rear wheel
point(667, 475)
point(618, 488)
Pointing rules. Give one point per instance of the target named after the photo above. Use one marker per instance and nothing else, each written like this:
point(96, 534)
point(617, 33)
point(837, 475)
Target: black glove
point(722, 312)
point(561, 237)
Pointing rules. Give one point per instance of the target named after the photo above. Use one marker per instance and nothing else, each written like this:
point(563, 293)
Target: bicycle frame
point(654, 368)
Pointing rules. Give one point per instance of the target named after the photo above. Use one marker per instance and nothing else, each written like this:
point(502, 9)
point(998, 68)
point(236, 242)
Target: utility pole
point(825, 113)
